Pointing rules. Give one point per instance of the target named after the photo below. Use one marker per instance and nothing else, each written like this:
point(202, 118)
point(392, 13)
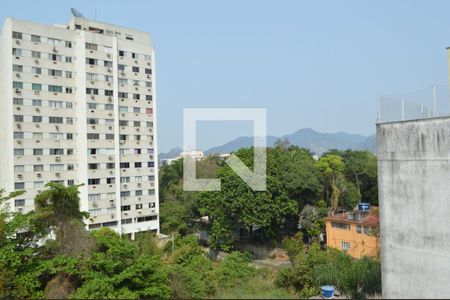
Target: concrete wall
point(414, 196)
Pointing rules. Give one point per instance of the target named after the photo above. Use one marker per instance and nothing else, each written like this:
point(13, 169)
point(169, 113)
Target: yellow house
point(355, 232)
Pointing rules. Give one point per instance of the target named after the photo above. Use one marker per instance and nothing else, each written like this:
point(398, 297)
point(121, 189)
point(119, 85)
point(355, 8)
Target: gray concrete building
point(414, 197)
point(78, 106)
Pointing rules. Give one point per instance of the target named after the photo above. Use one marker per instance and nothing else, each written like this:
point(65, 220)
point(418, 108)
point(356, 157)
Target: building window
point(68, 74)
point(36, 102)
point(91, 46)
point(149, 111)
point(19, 202)
point(108, 64)
point(138, 165)
point(17, 35)
point(109, 92)
point(37, 119)
point(35, 38)
point(109, 136)
point(136, 96)
point(18, 135)
point(345, 246)
point(36, 71)
point(17, 101)
point(110, 165)
point(124, 165)
point(151, 205)
point(91, 61)
point(93, 181)
point(38, 152)
point(68, 44)
point(148, 71)
point(340, 225)
point(35, 54)
point(54, 57)
point(367, 230)
point(19, 185)
point(70, 182)
point(110, 180)
point(68, 59)
point(150, 164)
point(125, 194)
point(18, 152)
point(138, 206)
point(36, 87)
point(135, 69)
point(17, 52)
point(93, 136)
point(109, 107)
point(55, 120)
point(358, 229)
point(55, 88)
point(125, 208)
point(38, 168)
point(56, 151)
point(17, 85)
point(19, 168)
point(55, 73)
point(18, 118)
point(147, 218)
point(17, 68)
point(123, 95)
point(121, 53)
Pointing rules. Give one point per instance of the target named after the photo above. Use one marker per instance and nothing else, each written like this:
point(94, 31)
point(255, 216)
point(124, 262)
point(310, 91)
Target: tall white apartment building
point(77, 105)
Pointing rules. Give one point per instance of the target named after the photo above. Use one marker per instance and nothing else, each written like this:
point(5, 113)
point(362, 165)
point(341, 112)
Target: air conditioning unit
point(110, 158)
point(111, 172)
point(137, 89)
point(109, 98)
point(108, 55)
point(110, 127)
point(39, 175)
point(92, 82)
point(18, 91)
point(58, 158)
point(110, 114)
point(19, 142)
point(19, 126)
point(125, 214)
point(94, 204)
point(137, 129)
point(140, 212)
point(38, 125)
point(54, 49)
point(18, 108)
point(93, 126)
point(38, 109)
point(37, 92)
point(125, 186)
point(20, 175)
point(18, 75)
point(153, 210)
point(149, 64)
point(135, 61)
point(57, 127)
point(122, 142)
point(112, 216)
point(109, 83)
point(38, 141)
point(58, 174)
point(139, 185)
point(17, 42)
point(122, 73)
point(39, 158)
point(148, 76)
point(109, 70)
point(139, 198)
point(92, 97)
point(36, 61)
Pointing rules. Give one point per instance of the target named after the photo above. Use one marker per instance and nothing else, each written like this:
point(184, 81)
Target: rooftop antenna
point(76, 13)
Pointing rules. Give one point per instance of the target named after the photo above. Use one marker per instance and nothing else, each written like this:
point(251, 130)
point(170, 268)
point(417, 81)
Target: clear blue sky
point(317, 64)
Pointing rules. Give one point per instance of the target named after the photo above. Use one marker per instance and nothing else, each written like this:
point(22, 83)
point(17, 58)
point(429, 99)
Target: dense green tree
point(332, 169)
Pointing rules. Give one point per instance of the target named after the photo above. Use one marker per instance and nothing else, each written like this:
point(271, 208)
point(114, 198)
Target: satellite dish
point(76, 13)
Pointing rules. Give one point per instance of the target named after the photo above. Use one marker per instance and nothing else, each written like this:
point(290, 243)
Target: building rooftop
point(370, 218)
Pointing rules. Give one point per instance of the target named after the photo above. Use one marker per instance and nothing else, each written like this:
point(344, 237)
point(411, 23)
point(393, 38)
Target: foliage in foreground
point(314, 267)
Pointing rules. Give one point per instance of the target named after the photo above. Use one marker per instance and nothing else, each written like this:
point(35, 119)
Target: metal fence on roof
point(430, 102)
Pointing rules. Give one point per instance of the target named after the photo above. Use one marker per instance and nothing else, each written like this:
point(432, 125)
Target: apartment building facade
point(78, 106)
point(355, 232)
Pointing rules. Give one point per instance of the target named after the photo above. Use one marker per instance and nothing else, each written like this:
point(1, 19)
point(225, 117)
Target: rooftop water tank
point(363, 206)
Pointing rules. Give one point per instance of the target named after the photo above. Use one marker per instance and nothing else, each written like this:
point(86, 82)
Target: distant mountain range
point(315, 141)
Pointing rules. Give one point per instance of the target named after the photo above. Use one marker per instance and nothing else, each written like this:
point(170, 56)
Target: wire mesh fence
point(430, 102)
